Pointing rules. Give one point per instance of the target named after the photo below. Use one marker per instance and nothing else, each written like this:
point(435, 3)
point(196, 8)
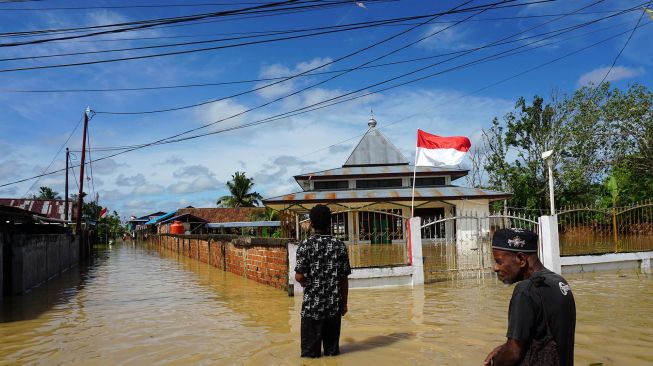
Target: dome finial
point(372, 121)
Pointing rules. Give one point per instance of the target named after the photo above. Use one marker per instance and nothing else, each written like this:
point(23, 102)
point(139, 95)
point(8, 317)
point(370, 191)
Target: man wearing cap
point(542, 312)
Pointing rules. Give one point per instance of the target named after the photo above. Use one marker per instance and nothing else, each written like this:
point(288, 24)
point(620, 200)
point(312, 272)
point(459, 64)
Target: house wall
point(264, 260)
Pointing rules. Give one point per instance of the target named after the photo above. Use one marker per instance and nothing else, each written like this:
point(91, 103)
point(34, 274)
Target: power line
point(270, 120)
point(128, 6)
point(215, 47)
point(310, 70)
point(143, 24)
point(625, 44)
point(409, 73)
point(55, 156)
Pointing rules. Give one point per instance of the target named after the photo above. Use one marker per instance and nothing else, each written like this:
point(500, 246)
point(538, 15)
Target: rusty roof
point(53, 209)
point(223, 214)
point(383, 171)
point(387, 194)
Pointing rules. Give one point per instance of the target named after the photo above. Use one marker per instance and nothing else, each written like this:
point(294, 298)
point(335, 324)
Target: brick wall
point(264, 260)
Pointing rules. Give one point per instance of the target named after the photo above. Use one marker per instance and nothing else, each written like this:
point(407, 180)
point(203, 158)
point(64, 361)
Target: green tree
point(109, 227)
point(241, 195)
point(47, 193)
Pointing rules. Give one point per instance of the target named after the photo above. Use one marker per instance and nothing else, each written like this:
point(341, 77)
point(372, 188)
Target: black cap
point(515, 240)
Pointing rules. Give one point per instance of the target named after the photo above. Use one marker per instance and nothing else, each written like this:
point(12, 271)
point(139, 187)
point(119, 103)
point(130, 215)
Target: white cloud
point(192, 171)
point(148, 190)
point(280, 71)
point(444, 39)
point(199, 184)
point(618, 73)
point(135, 180)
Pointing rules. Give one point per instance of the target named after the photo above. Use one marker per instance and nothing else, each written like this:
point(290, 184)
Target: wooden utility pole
point(80, 200)
point(66, 202)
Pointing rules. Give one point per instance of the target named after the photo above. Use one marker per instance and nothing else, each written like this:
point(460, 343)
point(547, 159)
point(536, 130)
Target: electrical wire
point(504, 53)
point(144, 24)
point(140, 57)
point(625, 44)
point(266, 121)
point(55, 156)
point(131, 6)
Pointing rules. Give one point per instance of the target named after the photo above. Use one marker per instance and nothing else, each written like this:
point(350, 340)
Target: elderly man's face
point(509, 266)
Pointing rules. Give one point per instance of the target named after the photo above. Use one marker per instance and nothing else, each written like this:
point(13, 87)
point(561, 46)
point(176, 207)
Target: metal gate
point(459, 247)
point(374, 238)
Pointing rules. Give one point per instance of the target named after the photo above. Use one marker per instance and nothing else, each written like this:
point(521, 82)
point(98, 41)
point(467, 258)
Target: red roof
point(53, 209)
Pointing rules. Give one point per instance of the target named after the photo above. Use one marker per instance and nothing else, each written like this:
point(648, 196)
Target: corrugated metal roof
point(215, 225)
point(402, 170)
point(375, 149)
point(54, 209)
point(161, 218)
point(187, 215)
point(388, 194)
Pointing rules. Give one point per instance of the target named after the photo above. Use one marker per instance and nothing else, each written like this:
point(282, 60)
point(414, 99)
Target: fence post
point(550, 243)
point(293, 285)
point(614, 229)
point(416, 250)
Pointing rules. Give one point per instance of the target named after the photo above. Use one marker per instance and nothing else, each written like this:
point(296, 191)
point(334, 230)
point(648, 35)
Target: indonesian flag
point(103, 212)
point(433, 150)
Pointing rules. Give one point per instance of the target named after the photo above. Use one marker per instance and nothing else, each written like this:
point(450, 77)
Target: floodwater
point(144, 306)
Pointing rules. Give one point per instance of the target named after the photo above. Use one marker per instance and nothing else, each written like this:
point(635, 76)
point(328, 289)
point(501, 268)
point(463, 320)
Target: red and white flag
point(103, 212)
point(434, 150)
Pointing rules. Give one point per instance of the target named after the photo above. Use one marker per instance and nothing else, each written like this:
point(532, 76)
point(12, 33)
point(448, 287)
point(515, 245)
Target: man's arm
point(344, 292)
point(299, 277)
point(509, 353)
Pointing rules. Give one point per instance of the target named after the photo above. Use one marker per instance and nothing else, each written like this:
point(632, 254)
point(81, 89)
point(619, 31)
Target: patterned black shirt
point(323, 260)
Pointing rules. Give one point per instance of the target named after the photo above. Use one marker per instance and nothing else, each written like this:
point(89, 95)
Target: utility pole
point(80, 200)
point(66, 203)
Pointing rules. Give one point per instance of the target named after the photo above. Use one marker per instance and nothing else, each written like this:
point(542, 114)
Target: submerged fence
point(374, 238)
point(592, 230)
point(459, 247)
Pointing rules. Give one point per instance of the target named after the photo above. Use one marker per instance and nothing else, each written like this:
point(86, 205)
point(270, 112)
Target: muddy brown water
point(143, 306)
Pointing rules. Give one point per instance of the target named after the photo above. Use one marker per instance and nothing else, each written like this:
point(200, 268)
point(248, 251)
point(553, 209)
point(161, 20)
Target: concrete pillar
point(292, 261)
point(416, 250)
point(645, 265)
point(550, 243)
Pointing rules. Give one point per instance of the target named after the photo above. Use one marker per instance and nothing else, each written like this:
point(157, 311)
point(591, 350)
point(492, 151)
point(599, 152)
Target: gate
point(374, 238)
point(459, 247)
point(592, 230)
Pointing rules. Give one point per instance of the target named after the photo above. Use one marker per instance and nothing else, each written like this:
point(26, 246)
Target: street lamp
point(547, 156)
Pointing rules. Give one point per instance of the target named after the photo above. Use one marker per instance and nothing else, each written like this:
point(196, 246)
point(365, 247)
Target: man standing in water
point(322, 270)
point(542, 313)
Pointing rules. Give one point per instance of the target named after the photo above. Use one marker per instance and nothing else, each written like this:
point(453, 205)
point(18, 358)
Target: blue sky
point(194, 172)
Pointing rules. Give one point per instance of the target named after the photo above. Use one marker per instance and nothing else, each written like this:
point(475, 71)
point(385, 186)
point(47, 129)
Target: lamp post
point(547, 156)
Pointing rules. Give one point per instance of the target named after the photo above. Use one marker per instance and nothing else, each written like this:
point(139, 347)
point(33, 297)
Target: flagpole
point(412, 197)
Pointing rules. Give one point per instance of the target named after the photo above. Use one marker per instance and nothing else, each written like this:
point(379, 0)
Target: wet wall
point(30, 259)
point(264, 260)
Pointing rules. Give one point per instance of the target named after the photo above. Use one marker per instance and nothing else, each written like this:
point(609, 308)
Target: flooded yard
point(141, 306)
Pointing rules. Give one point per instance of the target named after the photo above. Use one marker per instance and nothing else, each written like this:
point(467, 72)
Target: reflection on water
point(140, 306)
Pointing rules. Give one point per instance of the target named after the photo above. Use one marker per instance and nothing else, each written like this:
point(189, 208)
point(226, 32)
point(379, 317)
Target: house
point(370, 197)
point(138, 223)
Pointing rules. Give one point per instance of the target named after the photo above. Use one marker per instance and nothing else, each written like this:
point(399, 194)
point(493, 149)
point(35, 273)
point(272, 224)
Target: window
point(429, 181)
point(379, 227)
point(378, 183)
point(331, 184)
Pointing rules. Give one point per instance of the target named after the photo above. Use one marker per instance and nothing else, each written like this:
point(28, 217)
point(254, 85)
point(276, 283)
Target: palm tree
point(240, 187)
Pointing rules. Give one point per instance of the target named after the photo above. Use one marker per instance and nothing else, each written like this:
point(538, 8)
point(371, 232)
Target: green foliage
point(109, 227)
point(603, 148)
point(47, 193)
point(240, 192)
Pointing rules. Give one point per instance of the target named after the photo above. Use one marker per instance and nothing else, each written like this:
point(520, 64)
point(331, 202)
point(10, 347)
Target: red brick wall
point(263, 260)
